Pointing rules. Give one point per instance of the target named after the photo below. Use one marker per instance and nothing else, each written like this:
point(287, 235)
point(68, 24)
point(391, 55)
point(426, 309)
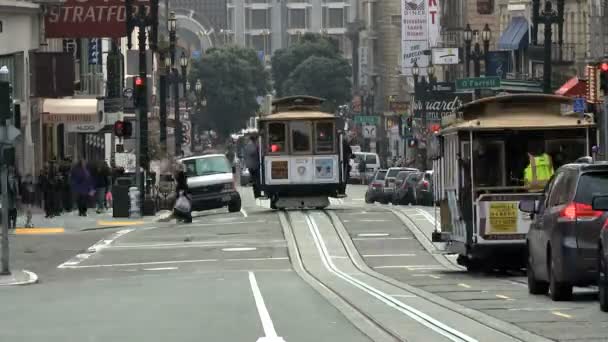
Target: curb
point(509, 329)
point(32, 279)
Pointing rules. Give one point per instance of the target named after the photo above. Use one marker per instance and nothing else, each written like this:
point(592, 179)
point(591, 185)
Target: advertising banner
point(89, 18)
point(419, 31)
point(440, 104)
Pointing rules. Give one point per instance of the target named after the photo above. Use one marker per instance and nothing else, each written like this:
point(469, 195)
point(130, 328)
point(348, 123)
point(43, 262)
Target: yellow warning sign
point(503, 217)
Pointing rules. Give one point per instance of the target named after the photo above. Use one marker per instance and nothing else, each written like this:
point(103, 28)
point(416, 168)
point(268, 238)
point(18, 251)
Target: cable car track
point(429, 322)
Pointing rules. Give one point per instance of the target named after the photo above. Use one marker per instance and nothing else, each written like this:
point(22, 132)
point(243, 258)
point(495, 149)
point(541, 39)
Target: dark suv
point(563, 237)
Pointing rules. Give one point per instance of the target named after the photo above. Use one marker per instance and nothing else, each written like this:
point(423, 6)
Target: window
point(260, 43)
point(370, 159)
point(230, 19)
point(334, 17)
point(298, 18)
point(276, 137)
point(591, 184)
point(485, 6)
point(555, 189)
point(207, 166)
point(381, 175)
point(300, 136)
point(324, 137)
point(258, 19)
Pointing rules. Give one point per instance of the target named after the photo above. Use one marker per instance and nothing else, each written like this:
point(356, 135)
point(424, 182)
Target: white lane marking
point(222, 223)
point(160, 269)
point(388, 255)
point(422, 318)
point(101, 244)
point(517, 283)
point(372, 234)
point(143, 263)
point(191, 244)
point(244, 212)
point(239, 249)
point(269, 332)
point(383, 238)
point(434, 276)
point(426, 215)
point(404, 296)
point(258, 259)
point(372, 220)
point(358, 199)
point(412, 267)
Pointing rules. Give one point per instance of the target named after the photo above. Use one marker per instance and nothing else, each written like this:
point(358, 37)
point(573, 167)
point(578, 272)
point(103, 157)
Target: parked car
point(601, 203)
point(211, 182)
point(405, 193)
point(390, 179)
point(375, 189)
point(565, 229)
point(424, 189)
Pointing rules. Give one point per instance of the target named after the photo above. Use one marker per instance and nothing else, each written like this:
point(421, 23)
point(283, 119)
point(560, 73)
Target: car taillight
point(574, 211)
point(605, 226)
point(425, 184)
point(376, 185)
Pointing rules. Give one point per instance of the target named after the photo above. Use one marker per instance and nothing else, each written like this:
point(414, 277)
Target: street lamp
point(183, 61)
point(188, 86)
point(547, 17)
point(198, 87)
point(421, 88)
point(172, 26)
point(468, 37)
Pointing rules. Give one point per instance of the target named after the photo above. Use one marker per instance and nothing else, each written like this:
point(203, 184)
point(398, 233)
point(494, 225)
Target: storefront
point(71, 127)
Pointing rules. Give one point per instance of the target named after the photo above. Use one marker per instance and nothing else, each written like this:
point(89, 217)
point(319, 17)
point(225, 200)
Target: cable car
point(301, 154)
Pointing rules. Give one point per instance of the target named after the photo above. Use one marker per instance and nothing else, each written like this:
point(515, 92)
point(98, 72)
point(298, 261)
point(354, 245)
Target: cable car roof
point(298, 115)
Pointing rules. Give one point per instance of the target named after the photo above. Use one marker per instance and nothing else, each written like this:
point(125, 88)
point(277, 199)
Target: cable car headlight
point(229, 186)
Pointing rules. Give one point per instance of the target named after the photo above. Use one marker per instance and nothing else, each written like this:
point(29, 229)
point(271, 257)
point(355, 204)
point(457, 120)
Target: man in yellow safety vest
point(539, 171)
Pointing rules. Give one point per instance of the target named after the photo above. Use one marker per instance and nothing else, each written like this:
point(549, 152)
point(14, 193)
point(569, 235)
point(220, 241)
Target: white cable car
point(301, 154)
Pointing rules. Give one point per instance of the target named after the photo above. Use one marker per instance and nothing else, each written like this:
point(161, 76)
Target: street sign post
point(7, 137)
point(369, 131)
point(478, 83)
point(367, 120)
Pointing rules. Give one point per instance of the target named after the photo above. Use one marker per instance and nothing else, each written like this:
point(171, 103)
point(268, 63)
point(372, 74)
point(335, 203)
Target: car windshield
point(381, 175)
point(590, 185)
point(206, 166)
point(402, 175)
point(393, 173)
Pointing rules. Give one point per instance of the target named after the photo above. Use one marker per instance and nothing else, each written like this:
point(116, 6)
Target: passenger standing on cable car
point(347, 153)
point(252, 162)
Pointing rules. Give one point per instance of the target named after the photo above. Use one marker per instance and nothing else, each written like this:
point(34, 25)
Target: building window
point(260, 43)
point(276, 138)
point(485, 6)
point(334, 17)
point(230, 19)
point(258, 19)
point(298, 18)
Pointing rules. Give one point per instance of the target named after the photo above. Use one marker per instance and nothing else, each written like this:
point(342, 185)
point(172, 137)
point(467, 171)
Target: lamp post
point(421, 88)
point(476, 55)
point(198, 89)
point(172, 25)
point(547, 17)
point(162, 94)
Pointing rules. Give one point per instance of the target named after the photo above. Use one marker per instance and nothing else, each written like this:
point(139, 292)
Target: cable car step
point(341, 196)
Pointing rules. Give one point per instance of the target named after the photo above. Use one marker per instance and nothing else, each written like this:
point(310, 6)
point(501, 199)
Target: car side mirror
point(528, 206)
point(600, 203)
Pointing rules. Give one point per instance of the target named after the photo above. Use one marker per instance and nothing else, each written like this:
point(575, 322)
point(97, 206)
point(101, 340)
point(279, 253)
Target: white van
point(372, 164)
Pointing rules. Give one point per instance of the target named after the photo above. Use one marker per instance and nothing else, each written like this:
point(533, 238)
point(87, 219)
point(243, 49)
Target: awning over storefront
point(515, 37)
point(575, 87)
point(72, 111)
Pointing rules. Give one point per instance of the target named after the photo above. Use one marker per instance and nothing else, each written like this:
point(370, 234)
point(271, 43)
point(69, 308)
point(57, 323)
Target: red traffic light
point(119, 128)
point(604, 67)
point(139, 81)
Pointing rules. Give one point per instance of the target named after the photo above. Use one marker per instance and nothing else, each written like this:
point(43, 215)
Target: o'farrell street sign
point(478, 83)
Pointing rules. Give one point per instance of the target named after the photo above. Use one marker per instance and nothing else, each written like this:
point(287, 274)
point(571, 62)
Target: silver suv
point(211, 182)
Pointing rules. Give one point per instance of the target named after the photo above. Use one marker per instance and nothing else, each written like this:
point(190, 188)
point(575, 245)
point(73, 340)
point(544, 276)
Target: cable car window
point(276, 137)
point(300, 136)
point(324, 142)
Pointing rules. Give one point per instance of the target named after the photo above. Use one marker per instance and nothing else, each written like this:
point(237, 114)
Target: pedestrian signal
point(412, 143)
point(123, 129)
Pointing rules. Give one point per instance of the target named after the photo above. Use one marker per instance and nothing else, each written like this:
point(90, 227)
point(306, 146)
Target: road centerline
point(269, 331)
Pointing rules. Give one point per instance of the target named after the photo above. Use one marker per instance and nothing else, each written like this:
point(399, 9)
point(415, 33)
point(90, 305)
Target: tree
point(284, 61)
point(232, 78)
point(323, 77)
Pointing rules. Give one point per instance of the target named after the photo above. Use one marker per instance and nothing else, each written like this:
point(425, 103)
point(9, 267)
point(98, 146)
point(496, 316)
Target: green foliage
point(313, 66)
point(232, 78)
point(322, 77)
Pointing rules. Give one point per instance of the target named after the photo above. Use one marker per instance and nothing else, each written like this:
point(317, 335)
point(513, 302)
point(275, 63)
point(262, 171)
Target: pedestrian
point(347, 154)
point(28, 198)
point(66, 191)
point(57, 186)
point(101, 179)
point(82, 186)
point(46, 185)
point(252, 162)
point(362, 167)
point(183, 203)
point(13, 196)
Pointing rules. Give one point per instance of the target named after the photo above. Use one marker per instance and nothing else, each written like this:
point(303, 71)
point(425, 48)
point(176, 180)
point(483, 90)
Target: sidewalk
point(70, 221)
point(18, 277)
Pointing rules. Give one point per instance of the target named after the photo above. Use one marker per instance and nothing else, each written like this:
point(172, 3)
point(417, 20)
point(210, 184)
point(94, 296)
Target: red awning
point(575, 87)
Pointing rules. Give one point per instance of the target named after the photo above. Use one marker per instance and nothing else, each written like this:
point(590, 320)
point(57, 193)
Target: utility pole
point(175, 82)
point(547, 17)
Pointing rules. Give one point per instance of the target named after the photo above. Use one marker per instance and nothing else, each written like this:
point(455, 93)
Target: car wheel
point(536, 287)
point(273, 204)
point(603, 282)
point(368, 200)
point(558, 291)
point(234, 205)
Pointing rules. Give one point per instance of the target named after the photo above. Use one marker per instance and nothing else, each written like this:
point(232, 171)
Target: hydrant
point(134, 210)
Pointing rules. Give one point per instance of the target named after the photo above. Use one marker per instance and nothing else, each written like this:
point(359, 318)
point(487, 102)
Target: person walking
point(82, 186)
point(28, 194)
point(13, 196)
point(183, 204)
point(46, 185)
point(252, 162)
point(102, 175)
point(362, 167)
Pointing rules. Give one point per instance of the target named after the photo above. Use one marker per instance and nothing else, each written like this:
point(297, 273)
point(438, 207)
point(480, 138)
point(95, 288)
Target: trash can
point(120, 196)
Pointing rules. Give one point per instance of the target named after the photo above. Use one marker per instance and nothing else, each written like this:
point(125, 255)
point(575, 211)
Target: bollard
point(134, 210)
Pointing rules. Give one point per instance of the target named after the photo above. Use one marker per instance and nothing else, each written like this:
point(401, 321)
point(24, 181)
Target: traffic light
point(412, 142)
point(139, 91)
point(603, 81)
point(123, 129)
point(6, 102)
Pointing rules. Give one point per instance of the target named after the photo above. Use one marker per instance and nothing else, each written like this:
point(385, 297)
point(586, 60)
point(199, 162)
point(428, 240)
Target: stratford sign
point(90, 18)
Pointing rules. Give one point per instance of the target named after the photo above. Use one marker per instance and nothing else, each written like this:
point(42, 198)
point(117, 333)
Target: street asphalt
point(356, 272)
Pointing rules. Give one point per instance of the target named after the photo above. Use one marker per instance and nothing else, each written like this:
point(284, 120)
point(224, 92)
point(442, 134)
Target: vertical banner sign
point(414, 35)
point(94, 51)
point(89, 18)
point(434, 30)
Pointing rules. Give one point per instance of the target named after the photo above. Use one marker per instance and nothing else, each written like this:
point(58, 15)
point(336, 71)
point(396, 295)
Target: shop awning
point(71, 111)
point(575, 87)
point(515, 37)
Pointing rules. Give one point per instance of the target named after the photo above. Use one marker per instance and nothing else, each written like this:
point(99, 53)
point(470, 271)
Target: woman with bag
point(183, 207)
point(82, 186)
